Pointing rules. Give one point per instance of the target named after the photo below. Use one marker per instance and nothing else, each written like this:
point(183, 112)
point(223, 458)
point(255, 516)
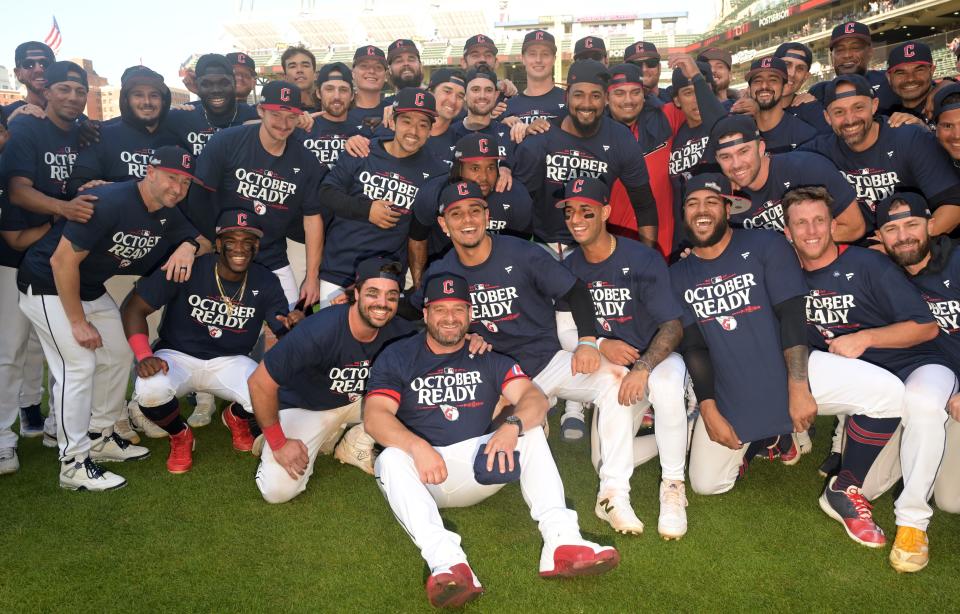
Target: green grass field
point(206, 541)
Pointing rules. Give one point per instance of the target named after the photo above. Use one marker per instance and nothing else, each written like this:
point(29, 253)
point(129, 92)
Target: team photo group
point(410, 272)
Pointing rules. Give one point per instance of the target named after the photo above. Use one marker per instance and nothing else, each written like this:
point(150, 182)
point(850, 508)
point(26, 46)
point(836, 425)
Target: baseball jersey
point(278, 189)
point(495, 129)
point(545, 162)
point(528, 109)
point(443, 398)
point(193, 130)
point(788, 171)
point(731, 299)
point(904, 157)
point(787, 135)
point(881, 90)
point(122, 238)
point(319, 365)
point(328, 138)
point(379, 176)
point(123, 152)
point(630, 290)
point(939, 284)
point(864, 289)
point(512, 295)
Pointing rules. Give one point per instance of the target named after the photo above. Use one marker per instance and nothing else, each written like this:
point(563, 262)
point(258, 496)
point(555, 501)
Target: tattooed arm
point(633, 387)
point(793, 321)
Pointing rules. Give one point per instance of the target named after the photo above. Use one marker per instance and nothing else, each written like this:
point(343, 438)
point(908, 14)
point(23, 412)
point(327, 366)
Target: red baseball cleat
point(239, 430)
point(851, 509)
point(181, 452)
point(576, 557)
point(453, 587)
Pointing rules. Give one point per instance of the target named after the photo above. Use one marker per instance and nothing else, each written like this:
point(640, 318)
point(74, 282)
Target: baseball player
point(515, 287)
point(910, 70)
point(861, 306)
point(244, 74)
point(403, 62)
point(480, 100)
point(430, 403)
point(590, 48)
point(211, 324)
point(946, 116)
point(720, 62)
point(542, 98)
point(370, 70)
point(638, 327)
point(646, 56)
point(798, 58)
point(480, 51)
point(61, 290)
point(781, 131)
point(31, 59)
point(327, 138)
point(300, 68)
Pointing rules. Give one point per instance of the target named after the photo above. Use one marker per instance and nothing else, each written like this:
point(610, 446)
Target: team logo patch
point(215, 332)
point(490, 326)
point(727, 322)
point(259, 207)
point(124, 264)
point(450, 412)
point(604, 324)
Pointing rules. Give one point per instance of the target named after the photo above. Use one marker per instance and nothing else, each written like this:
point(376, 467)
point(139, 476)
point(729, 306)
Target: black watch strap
point(516, 422)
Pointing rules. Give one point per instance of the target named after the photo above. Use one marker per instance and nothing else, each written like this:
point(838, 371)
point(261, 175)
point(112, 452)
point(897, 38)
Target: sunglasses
point(29, 64)
point(648, 62)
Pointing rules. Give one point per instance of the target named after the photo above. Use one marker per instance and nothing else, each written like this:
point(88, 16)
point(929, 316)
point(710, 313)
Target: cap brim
point(427, 112)
point(177, 171)
point(924, 62)
point(446, 299)
point(642, 56)
point(442, 208)
point(281, 107)
point(544, 43)
point(753, 73)
point(254, 231)
point(862, 37)
point(614, 86)
point(475, 158)
point(580, 199)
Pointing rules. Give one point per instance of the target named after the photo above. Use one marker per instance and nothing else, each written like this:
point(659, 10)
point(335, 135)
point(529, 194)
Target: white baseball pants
point(224, 377)
point(21, 359)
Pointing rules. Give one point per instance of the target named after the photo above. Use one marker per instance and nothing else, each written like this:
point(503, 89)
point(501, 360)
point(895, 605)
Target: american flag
point(54, 38)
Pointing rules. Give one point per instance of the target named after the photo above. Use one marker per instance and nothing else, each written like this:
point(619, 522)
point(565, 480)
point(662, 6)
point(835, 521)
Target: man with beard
point(244, 74)
point(309, 386)
point(586, 143)
point(764, 179)
point(910, 70)
point(300, 68)
point(403, 60)
point(850, 51)
point(218, 106)
point(647, 58)
point(862, 307)
point(878, 159)
point(431, 403)
point(781, 131)
point(933, 265)
point(370, 72)
point(720, 61)
point(211, 324)
point(946, 116)
point(31, 59)
point(479, 51)
point(541, 99)
point(480, 101)
point(798, 59)
point(332, 127)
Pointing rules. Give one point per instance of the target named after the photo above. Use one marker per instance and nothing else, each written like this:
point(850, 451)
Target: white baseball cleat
point(110, 447)
point(203, 413)
point(616, 510)
point(356, 448)
point(672, 523)
point(144, 424)
point(50, 431)
point(88, 475)
point(9, 463)
point(576, 556)
point(123, 428)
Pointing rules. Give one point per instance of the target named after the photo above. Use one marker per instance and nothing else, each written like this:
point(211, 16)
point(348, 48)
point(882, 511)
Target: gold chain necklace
point(237, 297)
point(613, 245)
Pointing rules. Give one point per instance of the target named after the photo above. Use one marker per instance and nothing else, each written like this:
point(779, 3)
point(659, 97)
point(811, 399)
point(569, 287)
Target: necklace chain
point(231, 301)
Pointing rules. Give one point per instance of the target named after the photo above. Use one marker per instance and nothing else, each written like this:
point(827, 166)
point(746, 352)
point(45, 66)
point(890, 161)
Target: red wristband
point(275, 436)
point(140, 345)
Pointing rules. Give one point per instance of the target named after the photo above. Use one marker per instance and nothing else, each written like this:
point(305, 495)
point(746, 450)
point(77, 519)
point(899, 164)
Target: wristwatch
point(515, 422)
point(193, 242)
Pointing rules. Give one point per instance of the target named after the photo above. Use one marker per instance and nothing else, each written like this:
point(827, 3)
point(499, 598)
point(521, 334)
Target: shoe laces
point(673, 495)
point(860, 503)
point(93, 470)
point(120, 441)
point(909, 538)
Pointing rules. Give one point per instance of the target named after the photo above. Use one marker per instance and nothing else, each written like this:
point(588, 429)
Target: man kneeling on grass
point(430, 403)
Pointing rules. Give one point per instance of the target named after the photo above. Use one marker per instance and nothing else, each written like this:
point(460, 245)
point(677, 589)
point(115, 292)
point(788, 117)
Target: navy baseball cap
point(476, 146)
point(768, 64)
point(589, 44)
point(481, 72)
point(20, 53)
point(625, 74)
point(850, 29)
point(587, 71)
point(909, 53)
point(402, 45)
point(585, 190)
point(411, 99)
point(447, 75)
point(213, 62)
point(716, 53)
point(281, 96)
point(230, 220)
point(479, 40)
point(744, 125)
point(680, 80)
point(640, 50)
point(916, 203)
point(59, 72)
point(446, 287)
point(379, 267)
point(456, 193)
point(239, 58)
point(861, 87)
point(941, 95)
point(369, 52)
point(335, 71)
point(797, 51)
point(174, 159)
point(539, 37)
point(720, 185)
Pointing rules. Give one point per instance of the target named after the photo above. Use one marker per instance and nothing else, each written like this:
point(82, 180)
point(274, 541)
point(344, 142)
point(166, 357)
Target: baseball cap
point(20, 53)
point(767, 64)
point(625, 74)
point(589, 44)
point(402, 45)
point(909, 53)
point(141, 75)
point(378, 267)
point(585, 190)
point(238, 219)
point(850, 29)
point(587, 71)
point(916, 203)
point(281, 96)
point(479, 40)
point(213, 62)
point(239, 58)
point(476, 146)
point(447, 75)
point(640, 50)
point(715, 53)
point(59, 72)
point(368, 52)
point(538, 37)
point(459, 192)
point(175, 159)
point(481, 72)
point(861, 87)
point(941, 95)
point(680, 80)
point(415, 99)
point(744, 125)
point(719, 184)
point(797, 51)
point(446, 287)
point(335, 71)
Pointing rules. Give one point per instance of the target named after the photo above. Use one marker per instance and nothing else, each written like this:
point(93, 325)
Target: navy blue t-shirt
point(366, 120)
point(789, 134)
point(529, 109)
point(122, 238)
point(199, 322)
point(193, 130)
point(495, 129)
point(443, 398)
point(881, 89)
point(7, 110)
point(812, 114)
point(731, 299)
point(864, 289)
point(320, 365)
point(123, 152)
point(379, 176)
point(788, 171)
point(631, 292)
point(439, 146)
point(940, 288)
point(278, 189)
point(513, 294)
point(328, 138)
point(545, 162)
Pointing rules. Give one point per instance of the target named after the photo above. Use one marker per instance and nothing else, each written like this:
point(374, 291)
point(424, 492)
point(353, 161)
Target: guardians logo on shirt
point(491, 304)
point(137, 161)
point(830, 312)
point(134, 245)
point(568, 164)
point(687, 156)
point(217, 315)
point(447, 385)
point(722, 298)
point(60, 163)
point(327, 148)
point(946, 312)
point(609, 303)
point(350, 379)
point(265, 188)
point(873, 184)
point(391, 187)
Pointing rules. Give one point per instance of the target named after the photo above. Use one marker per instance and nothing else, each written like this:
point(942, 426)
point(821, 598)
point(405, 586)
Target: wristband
point(589, 344)
point(140, 345)
point(274, 436)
